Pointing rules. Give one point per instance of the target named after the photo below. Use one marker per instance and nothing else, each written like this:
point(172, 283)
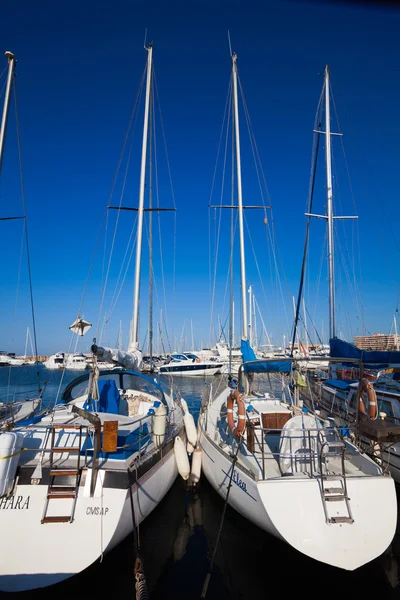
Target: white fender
point(10, 451)
point(159, 424)
point(190, 427)
point(181, 457)
point(189, 447)
point(184, 405)
point(196, 466)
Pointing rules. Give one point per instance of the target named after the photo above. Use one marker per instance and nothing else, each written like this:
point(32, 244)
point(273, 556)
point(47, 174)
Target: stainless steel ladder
point(338, 493)
point(63, 492)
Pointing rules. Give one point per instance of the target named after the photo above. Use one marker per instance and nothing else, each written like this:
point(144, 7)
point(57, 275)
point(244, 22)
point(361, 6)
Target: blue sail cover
point(276, 366)
point(372, 359)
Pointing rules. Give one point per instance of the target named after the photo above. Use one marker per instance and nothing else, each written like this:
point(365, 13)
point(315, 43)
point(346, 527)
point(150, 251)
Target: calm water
point(178, 537)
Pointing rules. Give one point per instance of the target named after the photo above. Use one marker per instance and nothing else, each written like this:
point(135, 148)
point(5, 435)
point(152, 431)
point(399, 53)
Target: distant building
point(377, 341)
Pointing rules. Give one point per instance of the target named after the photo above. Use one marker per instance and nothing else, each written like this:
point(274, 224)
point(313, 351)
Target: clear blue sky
point(79, 66)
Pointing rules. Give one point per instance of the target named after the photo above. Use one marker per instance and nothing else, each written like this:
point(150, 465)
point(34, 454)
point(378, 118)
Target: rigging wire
point(226, 120)
point(388, 223)
point(122, 152)
point(157, 96)
point(26, 233)
point(263, 183)
point(134, 112)
point(313, 173)
point(315, 329)
point(160, 237)
point(210, 568)
point(346, 256)
point(16, 304)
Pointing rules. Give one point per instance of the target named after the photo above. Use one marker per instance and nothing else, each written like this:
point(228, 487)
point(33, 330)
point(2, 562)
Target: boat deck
point(281, 451)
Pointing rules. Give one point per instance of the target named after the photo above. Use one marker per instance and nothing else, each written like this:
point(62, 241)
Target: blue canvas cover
point(109, 398)
point(339, 384)
point(372, 359)
point(276, 366)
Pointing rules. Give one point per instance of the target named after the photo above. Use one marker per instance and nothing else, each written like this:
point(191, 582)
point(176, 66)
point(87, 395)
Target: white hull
point(187, 371)
point(292, 510)
point(34, 555)
point(9, 361)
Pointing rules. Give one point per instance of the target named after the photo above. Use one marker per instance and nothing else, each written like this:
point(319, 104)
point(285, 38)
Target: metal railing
point(310, 453)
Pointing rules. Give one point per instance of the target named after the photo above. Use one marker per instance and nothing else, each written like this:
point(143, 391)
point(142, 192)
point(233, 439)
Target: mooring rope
point(140, 578)
point(208, 576)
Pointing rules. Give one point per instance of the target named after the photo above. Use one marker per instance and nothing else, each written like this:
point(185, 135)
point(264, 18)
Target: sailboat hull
point(35, 554)
point(292, 510)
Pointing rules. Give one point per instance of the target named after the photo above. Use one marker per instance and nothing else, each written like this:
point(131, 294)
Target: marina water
point(178, 538)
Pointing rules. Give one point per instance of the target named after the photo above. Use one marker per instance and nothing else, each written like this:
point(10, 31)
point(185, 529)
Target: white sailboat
point(73, 485)
point(370, 406)
point(290, 473)
point(28, 362)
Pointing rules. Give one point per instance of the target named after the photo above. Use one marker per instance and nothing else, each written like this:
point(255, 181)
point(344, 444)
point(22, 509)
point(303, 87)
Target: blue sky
point(78, 71)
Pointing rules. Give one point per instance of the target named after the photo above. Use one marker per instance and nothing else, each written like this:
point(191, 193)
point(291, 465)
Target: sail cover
point(275, 366)
point(371, 358)
point(129, 360)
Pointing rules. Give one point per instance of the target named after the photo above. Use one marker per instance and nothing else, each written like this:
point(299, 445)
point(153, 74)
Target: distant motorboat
point(73, 362)
point(55, 361)
point(7, 360)
point(189, 363)
point(76, 362)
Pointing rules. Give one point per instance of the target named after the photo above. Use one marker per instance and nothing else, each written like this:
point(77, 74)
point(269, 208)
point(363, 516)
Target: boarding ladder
point(63, 492)
point(334, 486)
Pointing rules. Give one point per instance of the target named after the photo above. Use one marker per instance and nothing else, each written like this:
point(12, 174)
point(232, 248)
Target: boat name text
point(97, 510)
point(236, 479)
point(15, 502)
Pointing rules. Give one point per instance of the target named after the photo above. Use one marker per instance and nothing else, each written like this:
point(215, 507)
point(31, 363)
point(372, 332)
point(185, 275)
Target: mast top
point(10, 55)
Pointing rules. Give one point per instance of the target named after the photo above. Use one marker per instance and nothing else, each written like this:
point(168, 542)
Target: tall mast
point(329, 210)
point(233, 324)
point(240, 201)
point(11, 65)
point(250, 318)
point(151, 237)
point(331, 261)
point(134, 341)
point(255, 338)
point(395, 332)
point(26, 341)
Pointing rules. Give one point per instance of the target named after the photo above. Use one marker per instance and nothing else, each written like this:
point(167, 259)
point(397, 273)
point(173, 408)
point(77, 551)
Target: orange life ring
point(367, 387)
point(238, 429)
point(197, 360)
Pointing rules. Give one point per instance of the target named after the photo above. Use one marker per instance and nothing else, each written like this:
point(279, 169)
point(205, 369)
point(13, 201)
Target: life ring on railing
point(367, 388)
point(238, 429)
point(197, 360)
